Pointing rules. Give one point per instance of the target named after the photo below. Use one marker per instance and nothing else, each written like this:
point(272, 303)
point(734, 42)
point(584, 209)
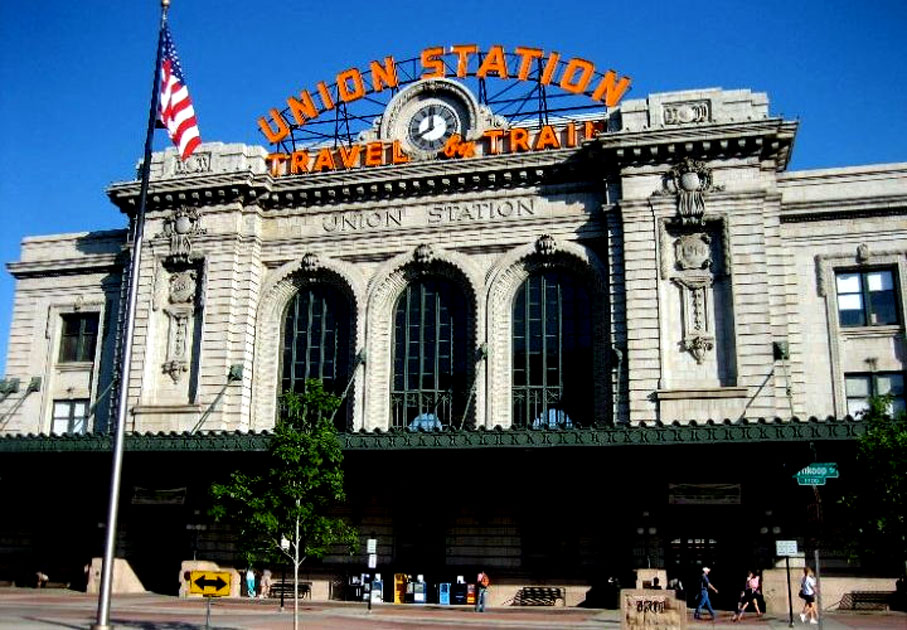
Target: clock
point(424, 116)
point(431, 125)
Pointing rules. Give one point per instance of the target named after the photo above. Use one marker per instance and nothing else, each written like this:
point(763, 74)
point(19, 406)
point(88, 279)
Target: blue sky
point(76, 77)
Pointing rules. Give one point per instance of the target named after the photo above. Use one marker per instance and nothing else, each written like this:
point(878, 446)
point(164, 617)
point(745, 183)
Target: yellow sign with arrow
point(210, 583)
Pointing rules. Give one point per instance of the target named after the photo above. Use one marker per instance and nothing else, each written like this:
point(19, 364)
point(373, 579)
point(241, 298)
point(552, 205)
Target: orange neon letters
point(579, 76)
point(432, 62)
point(494, 62)
point(463, 51)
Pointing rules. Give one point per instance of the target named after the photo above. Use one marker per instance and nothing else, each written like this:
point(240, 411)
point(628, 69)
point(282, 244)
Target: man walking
point(482, 583)
point(704, 586)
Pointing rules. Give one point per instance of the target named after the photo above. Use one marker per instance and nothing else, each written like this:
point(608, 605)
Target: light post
point(646, 530)
point(284, 546)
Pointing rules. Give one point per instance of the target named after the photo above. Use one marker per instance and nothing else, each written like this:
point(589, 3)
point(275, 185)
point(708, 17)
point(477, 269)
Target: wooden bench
point(540, 596)
point(867, 600)
point(286, 587)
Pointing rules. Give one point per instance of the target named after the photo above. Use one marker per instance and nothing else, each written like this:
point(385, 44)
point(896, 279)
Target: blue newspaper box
point(444, 593)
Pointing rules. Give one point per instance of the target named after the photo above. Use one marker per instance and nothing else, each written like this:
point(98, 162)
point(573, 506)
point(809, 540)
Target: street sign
point(816, 474)
point(373, 561)
point(786, 548)
point(210, 583)
point(371, 545)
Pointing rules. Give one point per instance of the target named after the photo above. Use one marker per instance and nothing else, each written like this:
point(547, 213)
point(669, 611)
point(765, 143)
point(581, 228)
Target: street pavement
point(32, 609)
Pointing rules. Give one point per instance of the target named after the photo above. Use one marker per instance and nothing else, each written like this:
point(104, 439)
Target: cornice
point(695, 433)
point(769, 139)
point(65, 266)
point(843, 208)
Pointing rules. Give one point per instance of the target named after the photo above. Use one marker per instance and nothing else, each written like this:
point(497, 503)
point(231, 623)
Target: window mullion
point(527, 312)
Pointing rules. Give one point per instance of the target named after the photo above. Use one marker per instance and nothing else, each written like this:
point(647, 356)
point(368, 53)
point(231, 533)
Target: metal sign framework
point(520, 101)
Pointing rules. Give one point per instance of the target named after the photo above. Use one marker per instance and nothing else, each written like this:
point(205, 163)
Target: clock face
point(431, 125)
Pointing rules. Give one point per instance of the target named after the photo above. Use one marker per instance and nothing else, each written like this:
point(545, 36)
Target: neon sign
point(574, 75)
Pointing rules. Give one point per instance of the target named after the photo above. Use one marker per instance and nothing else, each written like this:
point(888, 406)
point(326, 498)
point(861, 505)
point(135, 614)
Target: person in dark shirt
point(705, 585)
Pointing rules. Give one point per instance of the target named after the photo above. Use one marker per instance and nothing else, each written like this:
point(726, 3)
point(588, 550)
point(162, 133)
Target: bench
point(540, 596)
point(867, 600)
point(286, 588)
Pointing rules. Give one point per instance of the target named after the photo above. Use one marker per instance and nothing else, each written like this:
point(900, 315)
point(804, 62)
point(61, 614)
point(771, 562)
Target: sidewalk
point(30, 609)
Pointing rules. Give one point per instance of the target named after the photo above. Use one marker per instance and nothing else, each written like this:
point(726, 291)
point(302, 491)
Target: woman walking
point(808, 589)
point(749, 595)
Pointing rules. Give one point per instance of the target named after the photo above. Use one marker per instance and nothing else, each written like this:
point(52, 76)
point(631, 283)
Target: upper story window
point(552, 352)
point(316, 342)
point(859, 388)
point(70, 416)
point(79, 337)
point(430, 341)
point(866, 298)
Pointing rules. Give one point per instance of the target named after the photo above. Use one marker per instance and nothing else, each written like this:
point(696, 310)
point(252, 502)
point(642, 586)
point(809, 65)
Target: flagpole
point(103, 620)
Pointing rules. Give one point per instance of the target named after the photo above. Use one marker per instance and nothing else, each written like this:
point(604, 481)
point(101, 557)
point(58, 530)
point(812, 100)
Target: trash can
point(444, 593)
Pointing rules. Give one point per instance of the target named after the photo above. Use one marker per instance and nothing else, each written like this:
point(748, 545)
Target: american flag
point(176, 110)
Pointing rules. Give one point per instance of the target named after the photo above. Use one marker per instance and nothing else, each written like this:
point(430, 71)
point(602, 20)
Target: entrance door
point(686, 557)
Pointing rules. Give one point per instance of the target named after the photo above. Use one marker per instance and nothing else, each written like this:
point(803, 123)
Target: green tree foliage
point(877, 501)
point(291, 499)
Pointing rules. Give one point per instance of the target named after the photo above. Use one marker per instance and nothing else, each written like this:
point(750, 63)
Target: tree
point(292, 499)
point(878, 499)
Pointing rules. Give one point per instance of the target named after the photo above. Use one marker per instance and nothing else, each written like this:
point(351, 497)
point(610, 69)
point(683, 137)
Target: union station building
point(570, 348)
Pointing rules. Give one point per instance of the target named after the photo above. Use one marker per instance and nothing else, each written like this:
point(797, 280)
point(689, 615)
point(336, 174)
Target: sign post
point(209, 584)
point(371, 548)
point(815, 475)
point(787, 548)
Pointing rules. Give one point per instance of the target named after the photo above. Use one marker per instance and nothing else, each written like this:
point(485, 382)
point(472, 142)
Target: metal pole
point(790, 600)
point(818, 590)
point(103, 619)
point(207, 613)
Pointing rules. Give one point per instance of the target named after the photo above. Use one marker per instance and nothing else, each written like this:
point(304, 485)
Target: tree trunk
point(296, 577)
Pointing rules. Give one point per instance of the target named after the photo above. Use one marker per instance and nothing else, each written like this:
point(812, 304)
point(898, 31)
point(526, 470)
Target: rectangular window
point(79, 337)
point(70, 416)
point(866, 298)
point(859, 387)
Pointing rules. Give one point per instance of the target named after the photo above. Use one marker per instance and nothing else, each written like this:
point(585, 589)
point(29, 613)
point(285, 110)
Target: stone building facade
point(665, 271)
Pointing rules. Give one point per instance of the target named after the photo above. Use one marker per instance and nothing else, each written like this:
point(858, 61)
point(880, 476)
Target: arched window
point(430, 344)
point(552, 352)
point(316, 343)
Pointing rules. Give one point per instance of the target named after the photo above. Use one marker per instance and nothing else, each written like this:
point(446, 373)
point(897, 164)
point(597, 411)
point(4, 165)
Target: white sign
point(371, 546)
point(373, 561)
point(786, 548)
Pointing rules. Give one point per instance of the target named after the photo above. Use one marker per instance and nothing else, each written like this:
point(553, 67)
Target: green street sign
point(810, 481)
point(816, 474)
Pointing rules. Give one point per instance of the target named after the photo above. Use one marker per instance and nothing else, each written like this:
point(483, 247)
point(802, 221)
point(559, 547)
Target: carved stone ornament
point(310, 263)
point(699, 346)
point(181, 227)
point(863, 253)
point(686, 112)
point(688, 181)
point(693, 251)
point(545, 245)
point(177, 364)
point(182, 286)
point(175, 370)
point(423, 255)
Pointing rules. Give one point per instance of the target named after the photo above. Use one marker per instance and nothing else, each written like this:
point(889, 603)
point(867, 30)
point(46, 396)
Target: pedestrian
point(705, 585)
point(250, 582)
point(265, 589)
point(482, 583)
point(749, 596)
point(808, 588)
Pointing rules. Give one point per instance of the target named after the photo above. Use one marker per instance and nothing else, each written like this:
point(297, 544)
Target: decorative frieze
point(687, 112)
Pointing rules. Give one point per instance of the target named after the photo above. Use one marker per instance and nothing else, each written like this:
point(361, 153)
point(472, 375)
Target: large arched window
point(316, 343)
point(430, 341)
point(552, 352)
